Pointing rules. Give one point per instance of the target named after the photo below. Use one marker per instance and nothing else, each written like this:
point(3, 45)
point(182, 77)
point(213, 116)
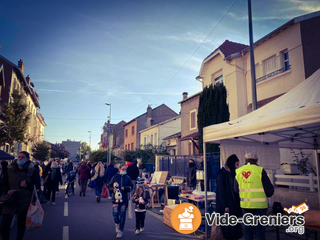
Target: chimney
point(184, 95)
point(149, 116)
point(28, 80)
point(149, 111)
point(21, 65)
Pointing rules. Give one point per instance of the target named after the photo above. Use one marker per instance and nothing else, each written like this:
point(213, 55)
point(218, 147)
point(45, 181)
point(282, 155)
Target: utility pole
point(252, 62)
point(90, 139)
point(108, 134)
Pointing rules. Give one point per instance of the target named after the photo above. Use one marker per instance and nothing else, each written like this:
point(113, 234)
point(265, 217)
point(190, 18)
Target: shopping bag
point(105, 191)
point(130, 207)
point(216, 232)
point(91, 184)
point(35, 212)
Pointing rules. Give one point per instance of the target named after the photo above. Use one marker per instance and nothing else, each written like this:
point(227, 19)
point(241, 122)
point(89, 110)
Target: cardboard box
point(167, 214)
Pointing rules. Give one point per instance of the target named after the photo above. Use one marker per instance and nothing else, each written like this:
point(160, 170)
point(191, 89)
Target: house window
point(193, 119)
point(155, 139)
point(218, 80)
point(131, 146)
point(270, 65)
point(145, 140)
point(132, 130)
point(151, 138)
point(126, 132)
point(125, 147)
point(286, 64)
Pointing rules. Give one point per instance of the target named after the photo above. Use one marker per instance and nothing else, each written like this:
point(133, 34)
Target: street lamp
point(109, 152)
point(90, 138)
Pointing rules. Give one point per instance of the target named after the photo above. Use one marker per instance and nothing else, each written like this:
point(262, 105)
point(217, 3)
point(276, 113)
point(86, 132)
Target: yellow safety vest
point(251, 190)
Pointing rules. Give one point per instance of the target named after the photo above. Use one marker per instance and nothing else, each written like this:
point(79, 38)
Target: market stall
point(291, 121)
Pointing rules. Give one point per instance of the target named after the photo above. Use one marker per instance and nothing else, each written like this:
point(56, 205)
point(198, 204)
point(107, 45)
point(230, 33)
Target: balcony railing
point(272, 74)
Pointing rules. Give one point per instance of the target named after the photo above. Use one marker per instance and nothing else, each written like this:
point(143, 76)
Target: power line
point(187, 59)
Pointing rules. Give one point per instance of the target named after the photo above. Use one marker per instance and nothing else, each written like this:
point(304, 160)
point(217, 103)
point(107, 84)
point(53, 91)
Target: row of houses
point(283, 58)
point(12, 77)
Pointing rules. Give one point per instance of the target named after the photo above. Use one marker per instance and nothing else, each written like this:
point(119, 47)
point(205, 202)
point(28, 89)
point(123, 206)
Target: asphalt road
point(82, 218)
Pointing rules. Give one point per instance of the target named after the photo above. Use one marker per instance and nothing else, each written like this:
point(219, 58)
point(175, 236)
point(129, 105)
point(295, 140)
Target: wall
point(287, 39)
point(130, 138)
point(72, 147)
point(169, 128)
point(187, 106)
point(310, 44)
point(147, 134)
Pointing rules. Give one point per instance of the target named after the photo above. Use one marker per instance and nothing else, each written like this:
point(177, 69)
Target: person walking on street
point(98, 179)
point(120, 185)
point(254, 187)
point(45, 173)
point(19, 181)
point(53, 182)
point(110, 172)
point(192, 175)
point(84, 175)
point(133, 173)
point(227, 200)
point(69, 167)
point(141, 199)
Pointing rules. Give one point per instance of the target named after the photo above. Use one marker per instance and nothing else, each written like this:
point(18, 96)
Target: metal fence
point(178, 166)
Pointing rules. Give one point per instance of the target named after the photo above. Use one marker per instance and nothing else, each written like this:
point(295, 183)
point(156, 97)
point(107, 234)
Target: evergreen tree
point(41, 151)
point(15, 119)
point(213, 109)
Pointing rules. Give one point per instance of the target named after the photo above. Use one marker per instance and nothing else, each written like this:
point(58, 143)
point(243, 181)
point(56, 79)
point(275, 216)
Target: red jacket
point(84, 172)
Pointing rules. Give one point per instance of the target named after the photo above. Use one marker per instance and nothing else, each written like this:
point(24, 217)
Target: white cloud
point(280, 10)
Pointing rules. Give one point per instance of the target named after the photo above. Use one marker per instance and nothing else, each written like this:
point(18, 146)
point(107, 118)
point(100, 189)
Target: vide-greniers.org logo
point(295, 222)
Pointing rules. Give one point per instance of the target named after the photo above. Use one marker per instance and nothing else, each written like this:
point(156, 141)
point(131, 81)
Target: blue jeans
point(98, 190)
point(259, 230)
point(119, 214)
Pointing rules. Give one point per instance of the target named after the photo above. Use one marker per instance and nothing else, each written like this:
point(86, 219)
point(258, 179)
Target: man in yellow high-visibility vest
point(254, 187)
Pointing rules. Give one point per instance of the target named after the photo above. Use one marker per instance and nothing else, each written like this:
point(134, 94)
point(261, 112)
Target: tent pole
point(205, 187)
point(318, 173)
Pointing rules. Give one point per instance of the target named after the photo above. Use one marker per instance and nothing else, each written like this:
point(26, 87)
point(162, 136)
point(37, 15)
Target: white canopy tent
point(290, 121)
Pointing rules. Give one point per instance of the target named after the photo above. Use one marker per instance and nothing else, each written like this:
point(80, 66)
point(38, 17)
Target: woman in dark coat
point(120, 183)
point(19, 180)
point(53, 182)
point(227, 201)
point(192, 175)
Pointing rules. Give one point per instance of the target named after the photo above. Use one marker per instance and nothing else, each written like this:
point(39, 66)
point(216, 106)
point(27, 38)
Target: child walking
point(140, 198)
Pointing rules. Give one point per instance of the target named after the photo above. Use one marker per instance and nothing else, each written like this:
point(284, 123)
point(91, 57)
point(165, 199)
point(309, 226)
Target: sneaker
point(117, 228)
point(141, 229)
point(120, 234)
point(53, 204)
point(137, 232)
point(98, 199)
point(109, 197)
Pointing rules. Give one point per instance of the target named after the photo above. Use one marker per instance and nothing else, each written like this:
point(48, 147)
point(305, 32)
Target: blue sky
point(82, 54)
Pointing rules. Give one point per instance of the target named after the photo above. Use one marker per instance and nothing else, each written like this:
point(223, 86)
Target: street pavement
point(82, 218)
